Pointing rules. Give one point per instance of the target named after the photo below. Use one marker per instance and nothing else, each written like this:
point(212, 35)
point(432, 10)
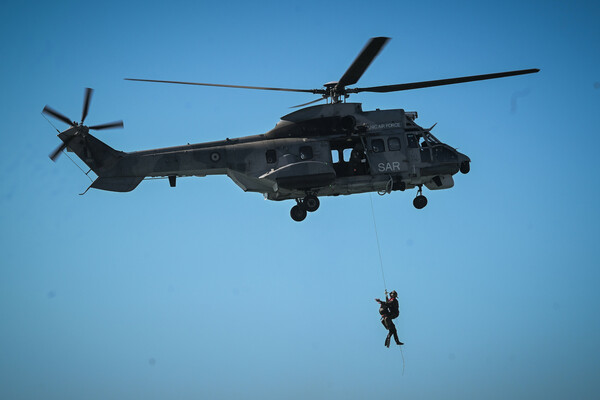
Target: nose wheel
point(420, 201)
point(310, 203)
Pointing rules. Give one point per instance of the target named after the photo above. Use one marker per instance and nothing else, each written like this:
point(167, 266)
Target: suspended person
point(389, 309)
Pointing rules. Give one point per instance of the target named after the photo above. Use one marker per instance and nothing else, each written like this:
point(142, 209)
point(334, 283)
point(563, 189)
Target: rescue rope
point(378, 246)
point(381, 263)
point(402, 360)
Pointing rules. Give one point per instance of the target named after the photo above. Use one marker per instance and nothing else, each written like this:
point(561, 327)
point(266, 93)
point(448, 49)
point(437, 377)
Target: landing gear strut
point(310, 203)
point(420, 201)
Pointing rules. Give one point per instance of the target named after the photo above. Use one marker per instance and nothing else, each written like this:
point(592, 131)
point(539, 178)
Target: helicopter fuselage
point(326, 150)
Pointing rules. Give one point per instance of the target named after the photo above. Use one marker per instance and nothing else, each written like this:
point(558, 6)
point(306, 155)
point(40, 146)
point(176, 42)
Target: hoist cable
point(402, 360)
point(378, 246)
point(381, 264)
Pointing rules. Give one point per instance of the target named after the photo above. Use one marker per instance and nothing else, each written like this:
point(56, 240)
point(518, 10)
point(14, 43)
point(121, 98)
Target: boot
point(398, 342)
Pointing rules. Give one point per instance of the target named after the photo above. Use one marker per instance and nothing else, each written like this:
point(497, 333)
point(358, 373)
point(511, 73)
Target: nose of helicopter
point(464, 163)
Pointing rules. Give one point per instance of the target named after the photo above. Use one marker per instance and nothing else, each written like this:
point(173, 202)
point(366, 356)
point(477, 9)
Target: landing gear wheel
point(298, 213)
point(420, 201)
point(311, 203)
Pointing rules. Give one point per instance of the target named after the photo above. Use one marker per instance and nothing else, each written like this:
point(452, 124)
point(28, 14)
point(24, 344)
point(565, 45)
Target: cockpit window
point(377, 145)
point(412, 140)
point(393, 144)
point(444, 154)
point(306, 153)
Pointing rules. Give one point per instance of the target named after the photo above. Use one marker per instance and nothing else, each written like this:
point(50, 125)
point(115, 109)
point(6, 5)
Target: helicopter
point(331, 149)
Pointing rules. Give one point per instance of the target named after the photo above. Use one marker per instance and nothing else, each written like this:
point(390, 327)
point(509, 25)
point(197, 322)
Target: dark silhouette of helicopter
point(324, 150)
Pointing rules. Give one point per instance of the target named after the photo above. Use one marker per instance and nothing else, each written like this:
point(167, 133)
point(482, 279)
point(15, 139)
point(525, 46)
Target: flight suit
point(388, 311)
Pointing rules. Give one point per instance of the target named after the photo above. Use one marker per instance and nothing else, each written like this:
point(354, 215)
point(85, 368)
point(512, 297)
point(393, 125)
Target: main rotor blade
point(57, 115)
point(315, 91)
point(116, 124)
point(86, 103)
point(440, 82)
point(362, 62)
point(310, 102)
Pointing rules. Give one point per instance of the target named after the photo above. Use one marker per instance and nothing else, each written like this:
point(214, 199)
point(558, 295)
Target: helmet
point(393, 293)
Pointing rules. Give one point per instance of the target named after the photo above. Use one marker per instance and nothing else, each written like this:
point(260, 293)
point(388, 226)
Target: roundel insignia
point(215, 156)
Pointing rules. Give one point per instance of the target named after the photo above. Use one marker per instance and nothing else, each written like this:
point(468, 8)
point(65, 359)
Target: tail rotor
point(77, 128)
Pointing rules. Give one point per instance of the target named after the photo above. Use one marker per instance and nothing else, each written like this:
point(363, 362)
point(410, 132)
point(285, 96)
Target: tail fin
point(97, 155)
point(103, 160)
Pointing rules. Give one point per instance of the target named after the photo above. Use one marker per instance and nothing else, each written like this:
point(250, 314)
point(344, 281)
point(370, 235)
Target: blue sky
point(204, 291)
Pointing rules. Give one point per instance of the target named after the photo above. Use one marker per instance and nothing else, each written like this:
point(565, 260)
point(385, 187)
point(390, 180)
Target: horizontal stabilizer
point(117, 184)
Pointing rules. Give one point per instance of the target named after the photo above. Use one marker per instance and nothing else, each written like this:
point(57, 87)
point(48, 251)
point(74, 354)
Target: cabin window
point(377, 145)
point(348, 157)
point(335, 156)
point(341, 155)
point(412, 140)
point(306, 153)
point(271, 156)
point(347, 153)
point(393, 144)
